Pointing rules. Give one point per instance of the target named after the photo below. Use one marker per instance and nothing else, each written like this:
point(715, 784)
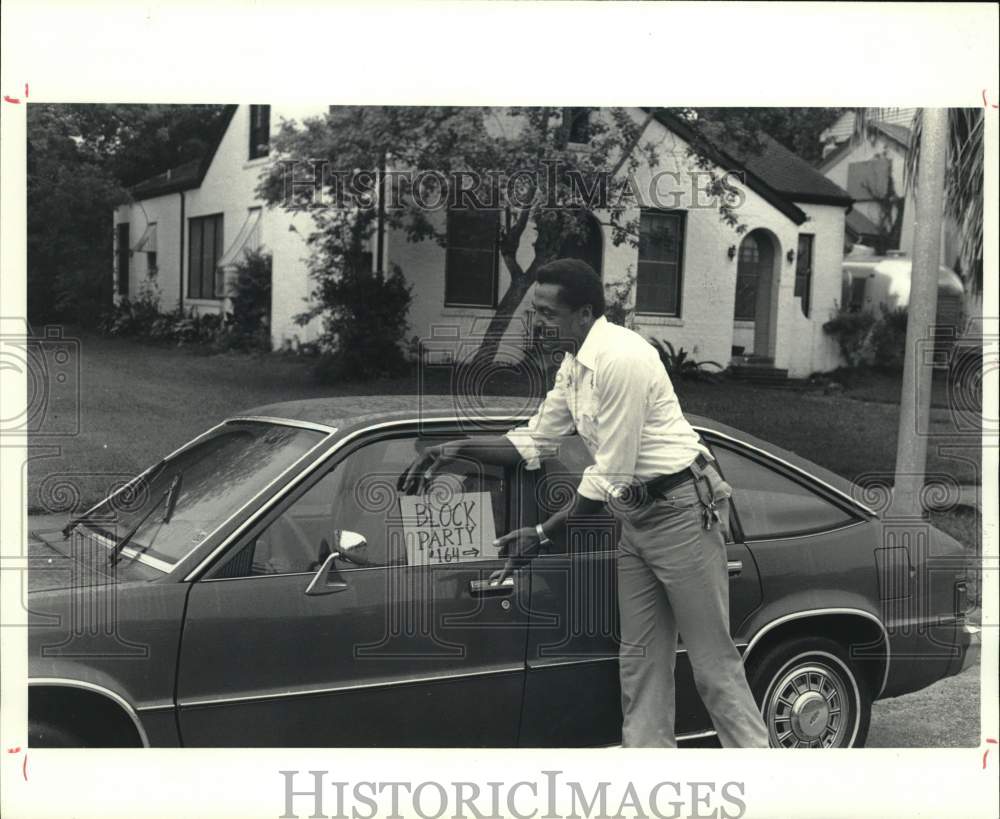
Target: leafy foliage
point(80, 160)
point(364, 318)
point(250, 295)
point(851, 331)
point(888, 339)
point(619, 307)
point(679, 365)
point(531, 144)
point(798, 129)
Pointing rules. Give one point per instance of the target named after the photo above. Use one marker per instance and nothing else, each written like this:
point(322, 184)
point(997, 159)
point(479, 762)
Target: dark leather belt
point(659, 486)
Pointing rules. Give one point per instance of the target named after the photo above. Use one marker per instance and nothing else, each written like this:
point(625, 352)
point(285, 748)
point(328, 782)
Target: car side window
point(558, 480)
point(770, 504)
point(360, 495)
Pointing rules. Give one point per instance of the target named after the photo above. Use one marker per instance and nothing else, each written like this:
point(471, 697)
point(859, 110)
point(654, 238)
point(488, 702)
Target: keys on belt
point(658, 488)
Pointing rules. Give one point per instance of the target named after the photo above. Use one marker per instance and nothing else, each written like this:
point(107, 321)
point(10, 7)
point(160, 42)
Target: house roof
point(187, 175)
point(899, 133)
point(860, 225)
point(775, 174)
point(791, 175)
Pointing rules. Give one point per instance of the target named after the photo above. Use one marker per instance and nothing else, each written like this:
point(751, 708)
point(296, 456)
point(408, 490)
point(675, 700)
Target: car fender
point(796, 610)
point(81, 678)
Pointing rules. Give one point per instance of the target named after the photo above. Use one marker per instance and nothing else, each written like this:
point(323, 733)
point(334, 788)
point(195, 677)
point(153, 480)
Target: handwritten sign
point(452, 531)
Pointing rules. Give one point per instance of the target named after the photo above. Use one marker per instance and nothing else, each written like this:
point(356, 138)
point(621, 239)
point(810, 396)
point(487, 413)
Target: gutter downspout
point(180, 285)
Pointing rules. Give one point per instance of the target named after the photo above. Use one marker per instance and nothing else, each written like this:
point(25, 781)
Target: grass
point(138, 402)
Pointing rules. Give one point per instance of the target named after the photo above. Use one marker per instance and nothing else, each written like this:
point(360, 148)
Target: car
point(267, 585)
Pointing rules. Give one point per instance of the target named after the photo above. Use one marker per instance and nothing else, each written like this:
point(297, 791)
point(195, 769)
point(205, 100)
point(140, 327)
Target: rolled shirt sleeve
point(623, 401)
point(538, 438)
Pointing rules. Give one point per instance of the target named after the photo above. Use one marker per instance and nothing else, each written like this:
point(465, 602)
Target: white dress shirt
point(615, 392)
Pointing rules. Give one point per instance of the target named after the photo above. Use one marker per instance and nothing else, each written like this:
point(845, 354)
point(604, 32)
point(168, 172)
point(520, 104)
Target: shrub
point(888, 339)
point(81, 295)
point(679, 365)
point(364, 322)
point(251, 299)
point(131, 317)
point(851, 331)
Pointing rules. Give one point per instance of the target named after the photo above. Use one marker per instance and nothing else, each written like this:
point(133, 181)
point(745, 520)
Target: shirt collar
point(587, 354)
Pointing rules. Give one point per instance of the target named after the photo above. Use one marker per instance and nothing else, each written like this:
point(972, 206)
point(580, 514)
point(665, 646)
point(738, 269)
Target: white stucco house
point(761, 295)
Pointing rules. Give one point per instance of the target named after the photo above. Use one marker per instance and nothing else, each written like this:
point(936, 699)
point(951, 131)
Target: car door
point(572, 691)
point(403, 654)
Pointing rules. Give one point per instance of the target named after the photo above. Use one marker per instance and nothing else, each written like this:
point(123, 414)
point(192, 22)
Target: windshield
point(211, 480)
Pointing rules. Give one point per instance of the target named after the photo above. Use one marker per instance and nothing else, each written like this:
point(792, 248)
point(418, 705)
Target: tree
point(558, 166)
point(81, 159)
point(798, 129)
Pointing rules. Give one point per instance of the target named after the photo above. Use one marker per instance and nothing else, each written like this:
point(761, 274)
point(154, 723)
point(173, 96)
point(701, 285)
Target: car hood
point(58, 562)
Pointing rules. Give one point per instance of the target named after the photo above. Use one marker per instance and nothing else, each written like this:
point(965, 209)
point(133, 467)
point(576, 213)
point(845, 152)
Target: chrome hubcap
point(807, 708)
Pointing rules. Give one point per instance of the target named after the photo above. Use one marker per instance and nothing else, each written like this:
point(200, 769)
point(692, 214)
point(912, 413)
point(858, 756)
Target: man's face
point(556, 326)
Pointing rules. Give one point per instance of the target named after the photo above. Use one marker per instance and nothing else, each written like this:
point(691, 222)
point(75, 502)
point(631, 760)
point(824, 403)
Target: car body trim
point(581, 660)
point(317, 464)
point(798, 615)
point(129, 551)
point(125, 705)
point(286, 422)
point(800, 535)
point(679, 737)
point(798, 469)
point(352, 687)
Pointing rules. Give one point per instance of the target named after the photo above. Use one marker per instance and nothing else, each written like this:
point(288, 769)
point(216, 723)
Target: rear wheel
point(43, 734)
point(811, 695)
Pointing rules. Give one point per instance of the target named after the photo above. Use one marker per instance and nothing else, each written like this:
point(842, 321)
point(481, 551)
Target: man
point(652, 471)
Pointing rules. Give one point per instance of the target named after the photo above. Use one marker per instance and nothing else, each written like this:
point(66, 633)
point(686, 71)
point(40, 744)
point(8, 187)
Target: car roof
point(351, 413)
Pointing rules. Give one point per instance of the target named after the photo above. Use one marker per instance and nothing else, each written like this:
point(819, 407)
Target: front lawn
point(139, 402)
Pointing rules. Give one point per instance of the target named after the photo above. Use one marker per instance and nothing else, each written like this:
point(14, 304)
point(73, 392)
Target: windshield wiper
point(170, 497)
point(148, 475)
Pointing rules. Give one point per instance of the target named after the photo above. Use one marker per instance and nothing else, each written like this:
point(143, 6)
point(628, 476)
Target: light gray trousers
point(672, 576)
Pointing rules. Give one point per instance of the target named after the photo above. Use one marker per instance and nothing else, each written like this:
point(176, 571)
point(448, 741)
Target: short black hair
point(578, 284)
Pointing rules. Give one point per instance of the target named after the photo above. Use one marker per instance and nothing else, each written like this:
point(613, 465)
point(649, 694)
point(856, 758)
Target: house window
point(260, 130)
point(204, 252)
point(123, 257)
point(747, 276)
point(803, 270)
point(661, 248)
point(578, 122)
point(151, 268)
point(472, 258)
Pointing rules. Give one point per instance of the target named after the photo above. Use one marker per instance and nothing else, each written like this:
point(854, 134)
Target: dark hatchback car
point(265, 585)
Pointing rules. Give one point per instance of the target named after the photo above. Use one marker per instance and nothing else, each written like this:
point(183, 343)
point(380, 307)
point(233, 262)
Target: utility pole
point(915, 401)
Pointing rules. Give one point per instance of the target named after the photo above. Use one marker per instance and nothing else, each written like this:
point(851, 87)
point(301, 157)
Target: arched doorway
point(756, 288)
point(586, 244)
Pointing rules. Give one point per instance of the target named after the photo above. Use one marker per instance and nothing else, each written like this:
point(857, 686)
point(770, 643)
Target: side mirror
point(350, 548)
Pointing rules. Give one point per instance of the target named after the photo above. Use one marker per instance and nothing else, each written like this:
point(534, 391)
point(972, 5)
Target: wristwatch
point(543, 539)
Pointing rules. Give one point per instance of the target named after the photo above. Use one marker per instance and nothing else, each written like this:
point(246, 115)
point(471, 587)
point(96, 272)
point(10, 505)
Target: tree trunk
point(511, 300)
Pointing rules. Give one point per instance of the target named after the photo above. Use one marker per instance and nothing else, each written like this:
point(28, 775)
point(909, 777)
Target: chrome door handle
point(486, 587)
point(735, 567)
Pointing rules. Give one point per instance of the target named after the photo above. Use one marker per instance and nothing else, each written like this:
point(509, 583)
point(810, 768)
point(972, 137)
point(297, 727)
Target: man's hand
point(418, 475)
point(519, 547)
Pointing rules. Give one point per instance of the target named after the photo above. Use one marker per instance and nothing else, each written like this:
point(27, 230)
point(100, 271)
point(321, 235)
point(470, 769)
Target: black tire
point(43, 734)
point(811, 695)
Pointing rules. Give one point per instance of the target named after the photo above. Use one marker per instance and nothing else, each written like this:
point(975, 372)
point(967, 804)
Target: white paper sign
point(455, 530)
